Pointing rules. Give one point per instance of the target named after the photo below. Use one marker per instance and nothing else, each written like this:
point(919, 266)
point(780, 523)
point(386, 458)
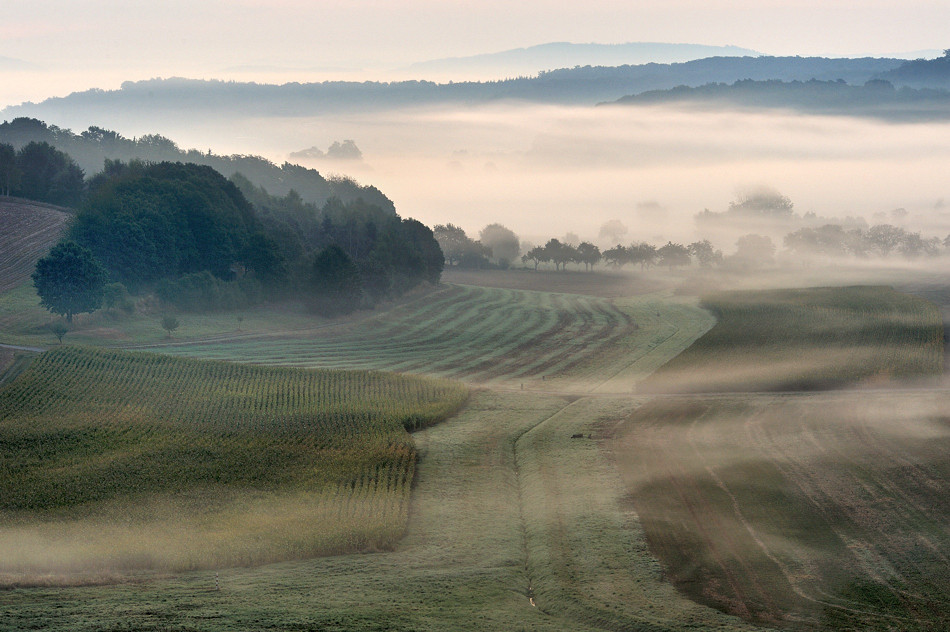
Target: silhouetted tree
point(612, 231)
point(884, 238)
point(673, 255)
point(9, 169)
point(48, 175)
point(588, 254)
point(705, 253)
point(617, 256)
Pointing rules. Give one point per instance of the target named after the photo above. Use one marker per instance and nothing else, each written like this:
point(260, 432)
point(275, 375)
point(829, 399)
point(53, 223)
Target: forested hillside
point(92, 147)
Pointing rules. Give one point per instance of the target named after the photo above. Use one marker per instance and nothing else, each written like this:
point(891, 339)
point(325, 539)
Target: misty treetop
point(91, 148)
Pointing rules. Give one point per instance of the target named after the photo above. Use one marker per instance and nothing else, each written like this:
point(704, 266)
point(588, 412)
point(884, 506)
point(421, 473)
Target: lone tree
point(169, 324)
point(69, 280)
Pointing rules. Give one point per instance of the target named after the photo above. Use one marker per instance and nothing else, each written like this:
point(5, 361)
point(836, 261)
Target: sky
point(72, 45)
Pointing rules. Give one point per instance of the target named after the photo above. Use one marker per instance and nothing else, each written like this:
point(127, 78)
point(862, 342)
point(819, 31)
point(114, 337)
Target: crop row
point(469, 333)
point(84, 427)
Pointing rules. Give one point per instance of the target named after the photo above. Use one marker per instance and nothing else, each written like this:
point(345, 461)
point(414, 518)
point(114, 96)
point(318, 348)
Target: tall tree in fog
point(673, 255)
point(503, 243)
point(612, 232)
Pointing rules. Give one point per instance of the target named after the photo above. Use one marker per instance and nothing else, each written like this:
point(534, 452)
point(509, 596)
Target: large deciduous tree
point(503, 243)
point(69, 280)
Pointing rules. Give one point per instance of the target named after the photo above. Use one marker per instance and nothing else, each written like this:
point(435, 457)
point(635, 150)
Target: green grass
point(502, 338)
point(113, 460)
point(808, 339)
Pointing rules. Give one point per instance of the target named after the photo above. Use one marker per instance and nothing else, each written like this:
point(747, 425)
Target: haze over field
point(545, 170)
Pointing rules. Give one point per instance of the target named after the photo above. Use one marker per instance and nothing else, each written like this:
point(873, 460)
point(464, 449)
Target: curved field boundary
point(588, 555)
point(27, 231)
point(492, 336)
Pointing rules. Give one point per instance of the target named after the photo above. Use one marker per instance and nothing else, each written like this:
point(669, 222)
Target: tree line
point(498, 246)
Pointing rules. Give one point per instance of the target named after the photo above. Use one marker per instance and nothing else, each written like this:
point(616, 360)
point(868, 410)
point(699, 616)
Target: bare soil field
point(602, 283)
point(27, 231)
point(815, 511)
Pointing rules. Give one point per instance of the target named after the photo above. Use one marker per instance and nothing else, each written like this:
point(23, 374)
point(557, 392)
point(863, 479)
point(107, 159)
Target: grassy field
point(474, 555)
point(561, 497)
point(113, 461)
point(815, 338)
point(823, 511)
point(502, 338)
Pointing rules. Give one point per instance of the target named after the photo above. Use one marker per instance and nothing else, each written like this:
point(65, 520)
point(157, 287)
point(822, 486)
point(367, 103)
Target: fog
point(545, 170)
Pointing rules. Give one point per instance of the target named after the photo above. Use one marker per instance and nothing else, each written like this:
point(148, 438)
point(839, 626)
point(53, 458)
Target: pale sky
point(76, 45)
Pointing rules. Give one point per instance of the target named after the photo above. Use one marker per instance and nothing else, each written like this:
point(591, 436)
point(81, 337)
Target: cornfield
point(248, 464)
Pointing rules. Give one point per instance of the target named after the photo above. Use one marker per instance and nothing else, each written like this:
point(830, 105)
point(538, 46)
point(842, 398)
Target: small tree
point(69, 280)
point(59, 329)
point(169, 324)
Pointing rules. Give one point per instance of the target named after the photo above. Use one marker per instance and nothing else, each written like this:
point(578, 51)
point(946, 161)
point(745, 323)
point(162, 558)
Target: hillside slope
point(29, 230)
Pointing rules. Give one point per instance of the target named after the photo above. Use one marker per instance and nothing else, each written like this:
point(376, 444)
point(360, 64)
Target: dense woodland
point(876, 97)
point(200, 241)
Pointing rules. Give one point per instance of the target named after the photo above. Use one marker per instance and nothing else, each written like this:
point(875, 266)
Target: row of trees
point(883, 240)
point(495, 244)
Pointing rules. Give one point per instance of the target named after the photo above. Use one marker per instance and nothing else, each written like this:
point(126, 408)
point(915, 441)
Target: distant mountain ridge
point(876, 98)
point(922, 73)
point(159, 100)
point(534, 59)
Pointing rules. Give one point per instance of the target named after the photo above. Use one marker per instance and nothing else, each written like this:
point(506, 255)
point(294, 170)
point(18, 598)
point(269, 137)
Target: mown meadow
point(116, 461)
point(816, 338)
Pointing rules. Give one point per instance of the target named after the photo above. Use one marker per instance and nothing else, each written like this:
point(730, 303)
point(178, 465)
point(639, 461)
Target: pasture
point(114, 461)
point(503, 338)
